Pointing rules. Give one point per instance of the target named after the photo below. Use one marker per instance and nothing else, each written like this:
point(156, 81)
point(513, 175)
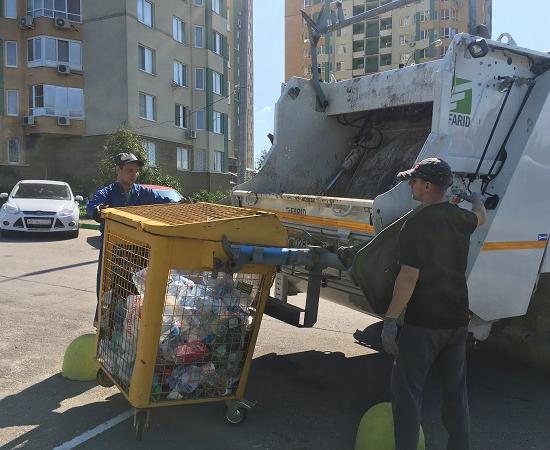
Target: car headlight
point(66, 212)
point(10, 209)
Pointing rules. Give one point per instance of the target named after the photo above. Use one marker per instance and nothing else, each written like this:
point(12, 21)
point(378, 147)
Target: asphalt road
point(312, 385)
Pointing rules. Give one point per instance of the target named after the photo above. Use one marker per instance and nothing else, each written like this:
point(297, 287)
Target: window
point(423, 35)
point(14, 156)
point(448, 14)
point(198, 2)
point(182, 156)
point(12, 103)
point(48, 100)
point(307, 3)
point(200, 160)
point(385, 60)
point(423, 16)
point(216, 6)
point(147, 107)
point(178, 30)
point(338, 66)
point(447, 32)
point(217, 122)
point(179, 118)
point(404, 21)
point(217, 83)
point(151, 149)
point(10, 9)
point(403, 40)
point(200, 119)
point(218, 43)
point(67, 9)
point(229, 128)
point(218, 161)
point(49, 51)
point(199, 36)
point(229, 92)
point(145, 12)
point(180, 74)
point(199, 78)
point(11, 53)
point(146, 59)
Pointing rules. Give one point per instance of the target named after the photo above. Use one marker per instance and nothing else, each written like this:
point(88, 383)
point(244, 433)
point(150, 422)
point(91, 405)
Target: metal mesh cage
point(185, 214)
point(206, 328)
point(119, 299)
point(206, 324)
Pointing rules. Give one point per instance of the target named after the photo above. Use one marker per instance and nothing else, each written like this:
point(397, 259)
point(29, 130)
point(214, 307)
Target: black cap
point(434, 170)
point(126, 158)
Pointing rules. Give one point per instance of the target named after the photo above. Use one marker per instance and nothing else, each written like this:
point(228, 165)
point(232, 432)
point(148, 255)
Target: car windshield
point(42, 191)
point(173, 195)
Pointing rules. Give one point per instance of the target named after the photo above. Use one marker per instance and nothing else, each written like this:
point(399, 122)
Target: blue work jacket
point(113, 196)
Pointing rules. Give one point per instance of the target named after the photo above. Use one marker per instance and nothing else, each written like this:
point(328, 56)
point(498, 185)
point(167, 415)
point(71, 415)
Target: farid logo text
point(461, 103)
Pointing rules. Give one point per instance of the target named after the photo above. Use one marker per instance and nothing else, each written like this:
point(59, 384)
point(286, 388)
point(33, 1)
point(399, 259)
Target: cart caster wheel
point(235, 416)
point(103, 380)
point(140, 423)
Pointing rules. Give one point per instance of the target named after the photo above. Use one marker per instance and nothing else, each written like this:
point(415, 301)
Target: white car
point(40, 206)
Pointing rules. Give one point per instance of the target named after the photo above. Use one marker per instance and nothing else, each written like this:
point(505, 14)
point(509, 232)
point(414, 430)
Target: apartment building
point(419, 32)
point(73, 72)
point(242, 74)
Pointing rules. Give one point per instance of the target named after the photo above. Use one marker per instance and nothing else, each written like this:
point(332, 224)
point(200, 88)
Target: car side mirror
point(4, 195)
point(79, 198)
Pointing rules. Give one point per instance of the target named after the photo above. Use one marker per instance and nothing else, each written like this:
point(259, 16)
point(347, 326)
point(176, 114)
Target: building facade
point(73, 75)
point(419, 32)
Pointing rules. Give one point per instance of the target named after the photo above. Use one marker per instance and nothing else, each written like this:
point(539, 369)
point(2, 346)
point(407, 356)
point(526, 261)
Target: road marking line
point(86, 436)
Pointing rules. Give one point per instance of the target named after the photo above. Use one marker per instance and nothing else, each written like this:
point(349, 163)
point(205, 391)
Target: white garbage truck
point(337, 147)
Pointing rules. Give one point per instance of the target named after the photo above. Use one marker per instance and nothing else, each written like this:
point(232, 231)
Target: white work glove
point(471, 197)
point(389, 336)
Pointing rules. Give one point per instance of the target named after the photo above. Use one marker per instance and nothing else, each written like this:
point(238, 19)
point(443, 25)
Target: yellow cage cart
point(176, 326)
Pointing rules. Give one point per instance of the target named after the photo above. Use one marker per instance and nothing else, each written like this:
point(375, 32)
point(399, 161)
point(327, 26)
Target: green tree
point(126, 140)
point(261, 159)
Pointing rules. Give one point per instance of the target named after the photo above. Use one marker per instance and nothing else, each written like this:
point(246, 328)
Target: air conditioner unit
point(191, 134)
point(63, 69)
point(28, 120)
point(63, 121)
point(61, 23)
point(26, 22)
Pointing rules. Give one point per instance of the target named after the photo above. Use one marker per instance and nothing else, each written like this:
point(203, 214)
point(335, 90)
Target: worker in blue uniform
point(123, 192)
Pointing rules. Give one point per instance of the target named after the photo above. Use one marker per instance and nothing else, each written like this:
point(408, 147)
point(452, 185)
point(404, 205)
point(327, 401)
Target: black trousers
point(420, 349)
point(98, 278)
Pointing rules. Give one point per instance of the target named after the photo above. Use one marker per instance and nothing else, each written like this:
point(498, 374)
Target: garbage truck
point(337, 147)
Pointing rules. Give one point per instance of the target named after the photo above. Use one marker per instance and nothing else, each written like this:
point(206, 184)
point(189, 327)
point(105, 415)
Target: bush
point(210, 197)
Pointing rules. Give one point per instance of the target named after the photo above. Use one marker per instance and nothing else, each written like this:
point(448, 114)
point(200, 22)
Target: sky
point(525, 20)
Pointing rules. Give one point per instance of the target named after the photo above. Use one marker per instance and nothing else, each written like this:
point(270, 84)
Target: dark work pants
point(420, 349)
point(98, 278)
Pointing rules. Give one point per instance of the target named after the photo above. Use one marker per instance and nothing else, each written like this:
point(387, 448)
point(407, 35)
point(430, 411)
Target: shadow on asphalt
point(19, 236)
point(321, 394)
point(308, 400)
point(36, 405)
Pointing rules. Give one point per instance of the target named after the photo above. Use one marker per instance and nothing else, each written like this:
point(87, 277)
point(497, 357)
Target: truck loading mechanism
point(329, 175)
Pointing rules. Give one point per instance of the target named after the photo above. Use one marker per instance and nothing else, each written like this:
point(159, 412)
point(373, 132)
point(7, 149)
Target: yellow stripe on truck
point(518, 245)
point(313, 220)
